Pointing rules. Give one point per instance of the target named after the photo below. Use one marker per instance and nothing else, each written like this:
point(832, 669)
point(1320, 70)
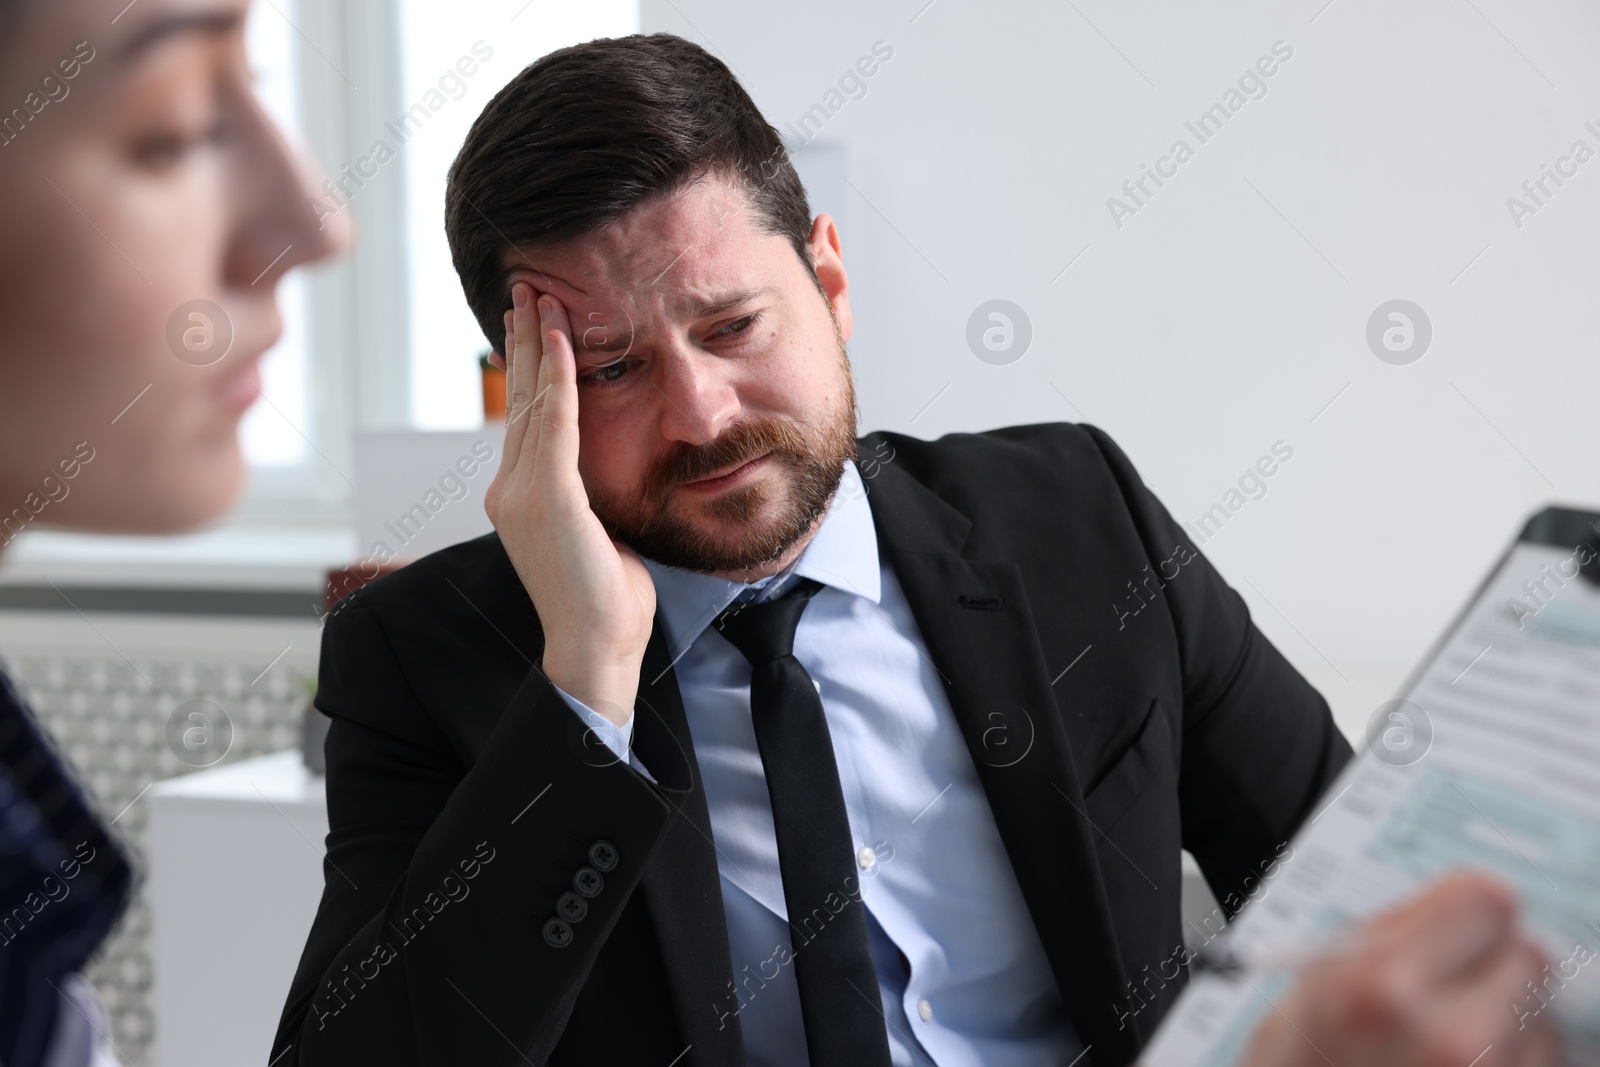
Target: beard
point(754, 523)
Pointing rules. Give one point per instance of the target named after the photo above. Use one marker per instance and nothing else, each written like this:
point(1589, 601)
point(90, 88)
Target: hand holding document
point(1490, 762)
point(1426, 982)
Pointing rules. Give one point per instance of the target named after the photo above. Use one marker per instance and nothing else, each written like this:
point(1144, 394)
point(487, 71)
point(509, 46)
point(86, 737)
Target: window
point(381, 339)
point(444, 337)
point(274, 431)
point(384, 340)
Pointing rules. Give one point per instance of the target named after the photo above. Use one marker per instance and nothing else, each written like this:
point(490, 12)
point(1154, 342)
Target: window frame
point(348, 69)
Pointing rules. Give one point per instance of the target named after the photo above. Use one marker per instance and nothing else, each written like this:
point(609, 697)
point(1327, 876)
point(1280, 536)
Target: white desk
point(235, 874)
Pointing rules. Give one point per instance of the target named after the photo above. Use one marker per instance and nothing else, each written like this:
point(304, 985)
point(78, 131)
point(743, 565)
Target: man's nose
point(698, 395)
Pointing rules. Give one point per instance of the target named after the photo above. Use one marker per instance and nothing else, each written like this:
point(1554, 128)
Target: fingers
point(1540, 1047)
point(558, 390)
point(1449, 930)
point(541, 396)
point(1491, 1020)
point(519, 384)
point(533, 381)
point(1500, 1008)
point(1437, 980)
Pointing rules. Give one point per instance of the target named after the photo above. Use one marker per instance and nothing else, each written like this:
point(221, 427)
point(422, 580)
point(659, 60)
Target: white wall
point(1231, 309)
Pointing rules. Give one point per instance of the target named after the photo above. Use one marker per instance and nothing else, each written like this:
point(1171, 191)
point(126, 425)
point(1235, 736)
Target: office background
point(1203, 321)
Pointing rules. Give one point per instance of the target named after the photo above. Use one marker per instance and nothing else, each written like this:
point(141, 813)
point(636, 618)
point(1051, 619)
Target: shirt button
point(924, 1010)
point(866, 857)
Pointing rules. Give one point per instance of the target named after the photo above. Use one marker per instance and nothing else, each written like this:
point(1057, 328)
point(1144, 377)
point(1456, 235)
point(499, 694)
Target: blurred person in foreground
point(138, 172)
point(602, 788)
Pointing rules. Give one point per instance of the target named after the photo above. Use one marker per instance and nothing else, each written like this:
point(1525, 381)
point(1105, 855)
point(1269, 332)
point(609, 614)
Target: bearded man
point(742, 739)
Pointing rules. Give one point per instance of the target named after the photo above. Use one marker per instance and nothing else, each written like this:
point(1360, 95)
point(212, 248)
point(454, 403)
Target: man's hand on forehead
point(600, 332)
point(548, 284)
point(594, 596)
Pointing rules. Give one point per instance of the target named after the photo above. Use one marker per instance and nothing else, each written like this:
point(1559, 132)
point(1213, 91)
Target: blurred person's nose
point(278, 227)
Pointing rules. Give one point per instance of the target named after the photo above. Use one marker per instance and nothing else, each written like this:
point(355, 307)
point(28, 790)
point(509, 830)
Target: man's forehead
point(693, 284)
point(677, 250)
point(686, 288)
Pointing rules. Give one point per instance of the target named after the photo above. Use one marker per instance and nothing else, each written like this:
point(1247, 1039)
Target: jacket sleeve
point(1259, 743)
point(429, 945)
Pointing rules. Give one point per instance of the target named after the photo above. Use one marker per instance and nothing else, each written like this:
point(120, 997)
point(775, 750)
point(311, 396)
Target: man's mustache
point(735, 446)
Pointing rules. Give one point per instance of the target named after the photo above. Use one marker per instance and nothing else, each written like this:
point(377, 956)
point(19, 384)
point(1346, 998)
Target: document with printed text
point(1490, 759)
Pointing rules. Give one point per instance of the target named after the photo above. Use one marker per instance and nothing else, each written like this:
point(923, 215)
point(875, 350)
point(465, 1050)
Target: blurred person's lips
point(258, 332)
point(238, 391)
point(238, 388)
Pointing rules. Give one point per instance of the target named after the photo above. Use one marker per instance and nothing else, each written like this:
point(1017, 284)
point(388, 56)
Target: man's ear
point(828, 262)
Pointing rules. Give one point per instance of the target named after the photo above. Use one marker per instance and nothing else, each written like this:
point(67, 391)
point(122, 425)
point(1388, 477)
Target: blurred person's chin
point(188, 500)
point(162, 483)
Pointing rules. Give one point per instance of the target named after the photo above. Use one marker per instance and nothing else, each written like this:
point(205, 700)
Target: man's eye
point(611, 372)
point(738, 326)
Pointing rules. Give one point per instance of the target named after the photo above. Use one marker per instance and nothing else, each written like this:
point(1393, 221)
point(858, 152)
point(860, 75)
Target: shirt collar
point(843, 553)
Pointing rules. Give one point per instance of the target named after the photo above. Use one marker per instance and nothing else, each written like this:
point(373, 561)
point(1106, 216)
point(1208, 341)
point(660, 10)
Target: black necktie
point(839, 1000)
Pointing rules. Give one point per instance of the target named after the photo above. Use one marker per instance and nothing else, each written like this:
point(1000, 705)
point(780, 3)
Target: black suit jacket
point(1117, 701)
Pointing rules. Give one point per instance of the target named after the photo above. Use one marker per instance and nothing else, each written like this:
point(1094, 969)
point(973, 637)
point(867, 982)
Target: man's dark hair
point(587, 133)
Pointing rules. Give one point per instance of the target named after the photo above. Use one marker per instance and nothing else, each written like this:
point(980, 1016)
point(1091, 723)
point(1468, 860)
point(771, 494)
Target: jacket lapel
point(974, 617)
point(681, 886)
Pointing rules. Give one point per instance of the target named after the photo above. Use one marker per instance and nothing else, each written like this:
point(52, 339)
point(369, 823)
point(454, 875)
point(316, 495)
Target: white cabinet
point(235, 874)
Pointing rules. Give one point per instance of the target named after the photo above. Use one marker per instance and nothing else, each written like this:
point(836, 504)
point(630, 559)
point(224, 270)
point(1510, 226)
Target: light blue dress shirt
point(962, 974)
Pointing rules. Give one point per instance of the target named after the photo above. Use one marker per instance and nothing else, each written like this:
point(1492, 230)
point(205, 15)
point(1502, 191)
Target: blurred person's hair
point(585, 134)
